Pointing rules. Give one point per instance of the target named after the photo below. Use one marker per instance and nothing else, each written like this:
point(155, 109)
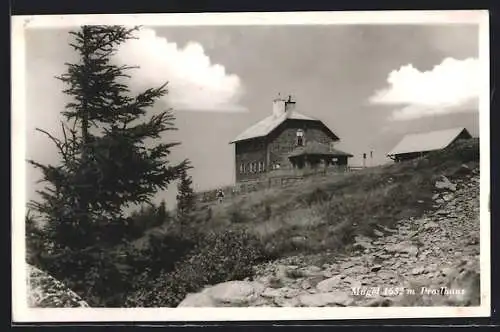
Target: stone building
point(285, 142)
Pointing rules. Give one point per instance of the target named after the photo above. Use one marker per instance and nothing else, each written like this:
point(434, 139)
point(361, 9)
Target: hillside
point(430, 260)
point(408, 224)
point(328, 212)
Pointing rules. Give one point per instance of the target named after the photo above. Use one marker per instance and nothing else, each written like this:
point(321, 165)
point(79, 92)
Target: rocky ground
point(430, 261)
point(44, 291)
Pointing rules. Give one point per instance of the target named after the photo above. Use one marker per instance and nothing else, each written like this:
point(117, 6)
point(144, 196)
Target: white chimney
point(278, 107)
point(289, 105)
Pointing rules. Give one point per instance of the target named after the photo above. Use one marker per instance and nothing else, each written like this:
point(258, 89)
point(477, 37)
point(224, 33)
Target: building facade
point(284, 140)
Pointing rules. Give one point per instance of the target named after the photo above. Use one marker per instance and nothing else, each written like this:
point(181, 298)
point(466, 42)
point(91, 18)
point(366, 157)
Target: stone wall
point(284, 139)
point(248, 152)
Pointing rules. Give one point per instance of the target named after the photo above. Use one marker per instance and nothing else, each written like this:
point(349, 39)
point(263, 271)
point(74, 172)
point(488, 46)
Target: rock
point(362, 242)
point(389, 230)
point(418, 270)
point(353, 283)
point(412, 251)
point(356, 270)
point(473, 240)
point(306, 284)
point(298, 241)
point(290, 292)
point(313, 270)
point(447, 197)
point(329, 284)
point(380, 302)
point(376, 268)
point(315, 280)
point(271, 293)
point(283, 302)
point(445, 184)
point(447, 271)
point(197, 300)
point(442, 212)
point(430, 225)
point(44, 291)
point(234, 293)
point(402, 247)
point(463, 170)
point(324, 299)
point(386, 274)
point(346, 265)
point(378, 233)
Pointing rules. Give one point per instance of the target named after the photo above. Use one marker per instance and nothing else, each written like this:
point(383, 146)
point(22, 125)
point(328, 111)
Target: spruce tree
point(162, 213)
point(185, 197)
point(105, 163)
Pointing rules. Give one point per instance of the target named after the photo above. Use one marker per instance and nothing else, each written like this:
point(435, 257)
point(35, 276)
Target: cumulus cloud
point(195, 83)
point(452, 86)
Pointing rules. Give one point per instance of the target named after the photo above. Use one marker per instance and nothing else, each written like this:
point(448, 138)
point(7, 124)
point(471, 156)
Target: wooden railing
point(272, 179)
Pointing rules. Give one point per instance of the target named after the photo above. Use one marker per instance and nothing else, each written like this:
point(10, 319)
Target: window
point(242, 168)
point(300, 137)
point(253, 167)
point(261, 166)
point(248, 168)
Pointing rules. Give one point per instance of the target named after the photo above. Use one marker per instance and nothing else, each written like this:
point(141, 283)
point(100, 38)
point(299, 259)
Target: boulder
point(445, 184)
point(44, 291)
point(325, 299)
point(235, 293)
point(329, 284)
point(197, 300)
point(227, 294)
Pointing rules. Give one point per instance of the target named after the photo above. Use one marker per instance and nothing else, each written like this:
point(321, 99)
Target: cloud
point(195, 83)
point(450, 87)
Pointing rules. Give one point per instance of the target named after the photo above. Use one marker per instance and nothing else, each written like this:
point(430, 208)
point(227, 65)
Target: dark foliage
point(185, 198)
point(219, 257)
point(105, 166)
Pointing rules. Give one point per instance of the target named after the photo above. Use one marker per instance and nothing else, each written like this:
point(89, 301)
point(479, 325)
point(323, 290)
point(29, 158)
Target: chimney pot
point(278, 106)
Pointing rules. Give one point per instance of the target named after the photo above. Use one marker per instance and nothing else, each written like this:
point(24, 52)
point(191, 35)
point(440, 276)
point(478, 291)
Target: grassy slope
point(321, 215)
point(326, 213)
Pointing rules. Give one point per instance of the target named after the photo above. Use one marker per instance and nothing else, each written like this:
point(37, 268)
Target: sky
point(371, 84)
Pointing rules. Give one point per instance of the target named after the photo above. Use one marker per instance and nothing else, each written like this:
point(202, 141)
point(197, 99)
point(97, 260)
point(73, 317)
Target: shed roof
point(265, 126)
point(428, 141)
point(316, 148)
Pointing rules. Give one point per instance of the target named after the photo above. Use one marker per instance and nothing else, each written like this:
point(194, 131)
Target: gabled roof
point(428, 141)
point(265, 126)
point(316, 148)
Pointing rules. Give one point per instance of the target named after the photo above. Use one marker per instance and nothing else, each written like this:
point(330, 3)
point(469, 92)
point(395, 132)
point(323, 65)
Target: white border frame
point(21, 312)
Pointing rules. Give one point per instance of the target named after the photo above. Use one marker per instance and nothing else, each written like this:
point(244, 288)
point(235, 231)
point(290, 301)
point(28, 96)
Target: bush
point(96, 274)
point(237, 217)
point(220, 257)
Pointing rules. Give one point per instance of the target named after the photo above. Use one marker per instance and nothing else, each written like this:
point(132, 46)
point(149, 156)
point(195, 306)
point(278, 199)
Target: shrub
point(96, 274)
point(220, 257)
point(236, 216)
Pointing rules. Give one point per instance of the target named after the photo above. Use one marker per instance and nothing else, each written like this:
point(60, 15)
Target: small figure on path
point(220, 195)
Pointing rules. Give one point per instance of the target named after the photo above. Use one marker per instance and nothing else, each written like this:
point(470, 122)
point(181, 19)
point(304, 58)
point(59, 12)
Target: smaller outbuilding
point(417, 145)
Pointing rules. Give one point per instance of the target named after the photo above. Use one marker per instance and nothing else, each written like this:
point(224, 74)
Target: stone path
point(433, 260)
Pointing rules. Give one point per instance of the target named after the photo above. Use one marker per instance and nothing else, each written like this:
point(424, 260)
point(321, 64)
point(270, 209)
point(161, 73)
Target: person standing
point(220, 195)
